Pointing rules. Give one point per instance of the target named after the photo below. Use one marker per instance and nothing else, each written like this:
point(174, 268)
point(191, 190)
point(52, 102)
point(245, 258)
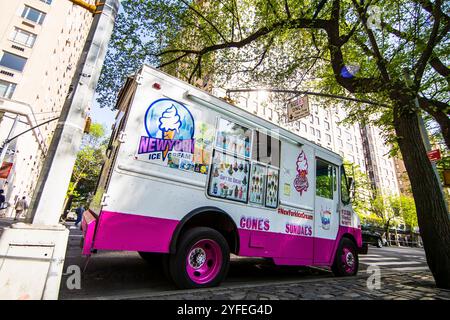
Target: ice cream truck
point(191, 178)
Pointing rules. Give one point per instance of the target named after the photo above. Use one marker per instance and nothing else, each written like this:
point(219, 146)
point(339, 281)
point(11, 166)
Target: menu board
point(229, 177)
point(272, 187)
point(233, 138)
point(258, 173)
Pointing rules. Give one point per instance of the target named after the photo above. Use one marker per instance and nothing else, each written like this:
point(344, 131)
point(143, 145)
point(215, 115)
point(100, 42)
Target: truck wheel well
point(351, 237)
point(217, 220)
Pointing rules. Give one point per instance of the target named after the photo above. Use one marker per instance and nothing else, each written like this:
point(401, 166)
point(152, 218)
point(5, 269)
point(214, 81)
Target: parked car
point(372, 237)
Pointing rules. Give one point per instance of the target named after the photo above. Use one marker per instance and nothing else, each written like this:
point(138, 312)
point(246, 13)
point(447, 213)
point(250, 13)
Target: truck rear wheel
point(201, 260)
point(346, 261)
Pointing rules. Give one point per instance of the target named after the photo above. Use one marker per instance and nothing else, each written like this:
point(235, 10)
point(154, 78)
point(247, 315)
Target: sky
point(102, 115)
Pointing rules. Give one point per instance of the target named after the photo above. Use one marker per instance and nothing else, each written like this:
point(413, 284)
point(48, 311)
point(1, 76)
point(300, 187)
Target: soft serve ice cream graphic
point(301, 180)
point(169, 125)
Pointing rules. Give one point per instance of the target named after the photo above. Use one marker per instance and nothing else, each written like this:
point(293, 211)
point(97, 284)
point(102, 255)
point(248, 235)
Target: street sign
point(434, 155)
point(298, 108)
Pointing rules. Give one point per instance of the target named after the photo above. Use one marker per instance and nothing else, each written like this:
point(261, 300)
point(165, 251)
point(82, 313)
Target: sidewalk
point(394, 286)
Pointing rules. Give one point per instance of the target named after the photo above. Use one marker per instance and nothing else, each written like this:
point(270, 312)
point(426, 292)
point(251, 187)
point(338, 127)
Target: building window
point(348, 136)
point(312, 131)
point(317, 120)
point(318, 134)
point(340, 143)
point(33, 15)
point(12, 61)
point(23, 37)
point(327, 137)
point(47, 1)
point(7, 89)
point(338, 130)
point(327, 125)
point(349, 146)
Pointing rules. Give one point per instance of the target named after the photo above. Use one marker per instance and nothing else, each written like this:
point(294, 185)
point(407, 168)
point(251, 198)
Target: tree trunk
point(432, 215)
point(67, 206)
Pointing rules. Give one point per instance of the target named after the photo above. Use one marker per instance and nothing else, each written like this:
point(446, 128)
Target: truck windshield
point(345, 193)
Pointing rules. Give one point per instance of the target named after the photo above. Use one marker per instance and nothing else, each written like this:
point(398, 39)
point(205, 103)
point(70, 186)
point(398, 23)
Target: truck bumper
point(88, 226)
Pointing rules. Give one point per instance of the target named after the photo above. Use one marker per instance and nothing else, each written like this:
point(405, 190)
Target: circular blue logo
point(169, 119)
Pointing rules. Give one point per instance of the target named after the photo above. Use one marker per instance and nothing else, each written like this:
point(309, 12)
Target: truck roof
point(194, 93)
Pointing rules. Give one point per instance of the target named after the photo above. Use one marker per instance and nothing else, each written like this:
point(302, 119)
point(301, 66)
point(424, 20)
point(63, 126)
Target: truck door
point(326, 216)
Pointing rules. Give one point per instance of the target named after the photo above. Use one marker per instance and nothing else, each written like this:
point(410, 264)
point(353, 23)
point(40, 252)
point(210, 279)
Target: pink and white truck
point(192, 178)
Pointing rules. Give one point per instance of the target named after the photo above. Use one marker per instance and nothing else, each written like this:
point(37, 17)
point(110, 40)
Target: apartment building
point(40, 44)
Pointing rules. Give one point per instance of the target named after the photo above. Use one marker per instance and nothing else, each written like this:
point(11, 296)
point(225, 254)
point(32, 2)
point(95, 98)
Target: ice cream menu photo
point(229, 177)
point(272, 188)
point(257, 178)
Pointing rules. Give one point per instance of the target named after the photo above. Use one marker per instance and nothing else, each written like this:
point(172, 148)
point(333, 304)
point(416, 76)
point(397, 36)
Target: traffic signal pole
point(34, 252)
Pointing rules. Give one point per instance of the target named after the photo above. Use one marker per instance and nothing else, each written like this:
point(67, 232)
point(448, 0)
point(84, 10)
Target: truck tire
point(201, 260)
point(346, 261)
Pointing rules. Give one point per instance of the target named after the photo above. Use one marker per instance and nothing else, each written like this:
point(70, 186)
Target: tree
point(408, 211)
point(363, 192)
point(384, 208)
point(396, 57)
point(87, 167)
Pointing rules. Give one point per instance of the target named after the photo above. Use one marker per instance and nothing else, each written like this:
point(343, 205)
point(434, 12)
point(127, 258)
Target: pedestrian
point(79, 212)
point(2, 198)
point(20, 207)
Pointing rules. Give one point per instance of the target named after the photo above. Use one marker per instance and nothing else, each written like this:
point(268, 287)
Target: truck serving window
point(265, 170)
point(266, 149)
point(345, 193)
point(324, 179)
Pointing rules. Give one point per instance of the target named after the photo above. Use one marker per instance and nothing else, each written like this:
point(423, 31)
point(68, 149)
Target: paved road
point(120, 274)
point(395, 259)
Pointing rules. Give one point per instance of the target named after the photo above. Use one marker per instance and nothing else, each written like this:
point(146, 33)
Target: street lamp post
point(34, 252)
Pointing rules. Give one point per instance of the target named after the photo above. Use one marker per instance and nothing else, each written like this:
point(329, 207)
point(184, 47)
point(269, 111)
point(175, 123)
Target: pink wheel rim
point(348, 260)
point(204, 261)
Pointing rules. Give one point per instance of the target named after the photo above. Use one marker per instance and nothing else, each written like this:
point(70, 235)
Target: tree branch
point(286, 8)
point(204, 18)
point(426, 54)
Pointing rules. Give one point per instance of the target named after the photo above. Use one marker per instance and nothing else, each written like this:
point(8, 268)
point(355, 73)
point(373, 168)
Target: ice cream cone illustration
point(169, 125)
point(301, 181)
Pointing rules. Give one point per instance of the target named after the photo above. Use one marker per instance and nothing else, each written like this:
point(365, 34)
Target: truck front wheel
point(201, 260)
point(346, 260)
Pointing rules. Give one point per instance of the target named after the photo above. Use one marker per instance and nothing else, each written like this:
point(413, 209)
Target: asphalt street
point(110, 274)
point(120, 274)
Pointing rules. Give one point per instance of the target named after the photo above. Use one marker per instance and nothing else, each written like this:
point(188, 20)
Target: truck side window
point(266, 158)
point(345, 193)
point(324, 179)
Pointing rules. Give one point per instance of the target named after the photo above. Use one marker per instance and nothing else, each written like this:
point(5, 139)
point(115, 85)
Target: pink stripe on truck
point(122, 231)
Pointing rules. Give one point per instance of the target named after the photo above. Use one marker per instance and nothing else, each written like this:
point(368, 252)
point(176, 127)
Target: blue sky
point(103, 115)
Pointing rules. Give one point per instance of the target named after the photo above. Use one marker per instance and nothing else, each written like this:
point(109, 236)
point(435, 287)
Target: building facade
point(40, 44)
